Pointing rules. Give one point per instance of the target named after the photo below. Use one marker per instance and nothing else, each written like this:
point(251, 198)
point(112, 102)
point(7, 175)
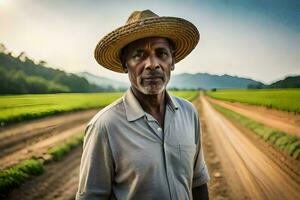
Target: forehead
point(148, 43)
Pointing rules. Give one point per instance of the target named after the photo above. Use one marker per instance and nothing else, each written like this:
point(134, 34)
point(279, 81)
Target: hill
point(103, 81)
point(22, 75)
point(209, 81)
point(288, 82)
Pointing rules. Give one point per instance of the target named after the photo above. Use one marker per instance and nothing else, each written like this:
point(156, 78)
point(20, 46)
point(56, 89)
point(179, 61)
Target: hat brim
point(182, 33)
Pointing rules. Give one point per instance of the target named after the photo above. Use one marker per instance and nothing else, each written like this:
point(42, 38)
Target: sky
point(258, 39)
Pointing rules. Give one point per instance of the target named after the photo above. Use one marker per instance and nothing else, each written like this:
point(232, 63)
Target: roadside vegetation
point(281, 99)
point(59, 151)
point(278, 139)
point(14, 176)
point(17, 108)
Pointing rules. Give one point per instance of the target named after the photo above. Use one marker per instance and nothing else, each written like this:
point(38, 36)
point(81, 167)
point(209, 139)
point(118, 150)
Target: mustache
point(153, 74)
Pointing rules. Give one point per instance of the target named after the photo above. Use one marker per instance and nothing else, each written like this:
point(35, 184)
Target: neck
point(152, 104)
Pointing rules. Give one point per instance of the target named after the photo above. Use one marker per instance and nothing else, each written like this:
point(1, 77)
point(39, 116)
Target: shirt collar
point(134, 109)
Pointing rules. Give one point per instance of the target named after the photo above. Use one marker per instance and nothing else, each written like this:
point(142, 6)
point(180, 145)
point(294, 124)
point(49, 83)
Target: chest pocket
point(187, 155)
point(182, 156)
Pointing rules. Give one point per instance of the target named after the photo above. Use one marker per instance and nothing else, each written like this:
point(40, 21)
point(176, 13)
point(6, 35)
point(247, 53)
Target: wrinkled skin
point(149, 62)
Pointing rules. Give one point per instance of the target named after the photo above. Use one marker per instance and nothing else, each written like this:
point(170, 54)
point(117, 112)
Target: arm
point(96, 169)
point(200, 192)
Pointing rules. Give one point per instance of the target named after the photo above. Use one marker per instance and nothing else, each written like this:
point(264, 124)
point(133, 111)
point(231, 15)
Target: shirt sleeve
point(96, 168)
point(201, 175)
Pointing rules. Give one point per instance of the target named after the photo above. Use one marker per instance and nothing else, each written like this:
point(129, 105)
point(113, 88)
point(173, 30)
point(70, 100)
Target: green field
point(16, 108)
point(281, 99)
point(189, 95)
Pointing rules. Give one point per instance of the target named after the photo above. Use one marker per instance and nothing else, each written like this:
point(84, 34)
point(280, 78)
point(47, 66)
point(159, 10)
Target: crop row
point(281, 99)
point(280, 140)
point(14, 176)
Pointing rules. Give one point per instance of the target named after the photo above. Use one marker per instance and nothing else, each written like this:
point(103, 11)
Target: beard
point(152, 89)
point(152, 83)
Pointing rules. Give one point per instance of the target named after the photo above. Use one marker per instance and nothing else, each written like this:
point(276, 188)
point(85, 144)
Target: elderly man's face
point(149, 62)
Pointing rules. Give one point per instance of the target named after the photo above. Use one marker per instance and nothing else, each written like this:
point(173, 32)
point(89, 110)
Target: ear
point(173, 62)
point(125, 69)
point(172, 67)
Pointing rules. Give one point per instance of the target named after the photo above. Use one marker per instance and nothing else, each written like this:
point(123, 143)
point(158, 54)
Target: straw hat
point(142, 24)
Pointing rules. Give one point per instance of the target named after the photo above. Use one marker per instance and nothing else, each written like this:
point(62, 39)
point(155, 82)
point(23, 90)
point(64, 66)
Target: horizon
point(234, 35)
point(127, 80)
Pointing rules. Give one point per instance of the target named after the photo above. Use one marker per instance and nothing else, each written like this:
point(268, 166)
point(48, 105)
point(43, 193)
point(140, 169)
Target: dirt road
point(248, 169)
point(284, 121)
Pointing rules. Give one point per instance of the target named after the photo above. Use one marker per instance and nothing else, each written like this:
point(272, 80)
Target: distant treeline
point(21, 75)
point(288, 82)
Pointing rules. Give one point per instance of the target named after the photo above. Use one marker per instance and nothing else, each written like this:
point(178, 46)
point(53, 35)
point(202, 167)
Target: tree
point(22, 56)
point(42, 63)
point(3, 48)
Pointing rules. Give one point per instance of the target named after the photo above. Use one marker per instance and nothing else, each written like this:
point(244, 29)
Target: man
point(146, 145)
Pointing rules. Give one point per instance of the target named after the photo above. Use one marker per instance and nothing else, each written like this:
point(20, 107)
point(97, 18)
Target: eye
point(138, 55)
point(163, 54)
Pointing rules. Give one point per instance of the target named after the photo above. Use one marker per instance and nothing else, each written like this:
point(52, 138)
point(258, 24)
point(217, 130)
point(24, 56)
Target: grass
point(189, 95)
point(281, 99)
point(59, 151)
point(15, 176)
point(17, 108)
point(280, 140)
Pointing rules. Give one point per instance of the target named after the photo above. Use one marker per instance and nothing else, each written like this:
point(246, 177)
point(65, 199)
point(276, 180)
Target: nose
point(152, 63)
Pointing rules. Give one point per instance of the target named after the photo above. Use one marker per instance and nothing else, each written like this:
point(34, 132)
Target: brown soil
point(60, 179)
point(282, 159)
point(18, 136)
point(251, 172)
point(218, 185)
point(40, 148)
point(22, 141)
point(284, 121)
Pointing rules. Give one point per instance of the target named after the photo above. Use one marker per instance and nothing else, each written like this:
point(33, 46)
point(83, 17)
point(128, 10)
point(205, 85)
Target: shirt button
point(159, 129)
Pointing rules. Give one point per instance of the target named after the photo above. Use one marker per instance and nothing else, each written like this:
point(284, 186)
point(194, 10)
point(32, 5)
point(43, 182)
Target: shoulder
point(111, 112)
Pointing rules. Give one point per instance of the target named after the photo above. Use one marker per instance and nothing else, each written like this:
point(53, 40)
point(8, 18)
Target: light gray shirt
point(127, 155)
